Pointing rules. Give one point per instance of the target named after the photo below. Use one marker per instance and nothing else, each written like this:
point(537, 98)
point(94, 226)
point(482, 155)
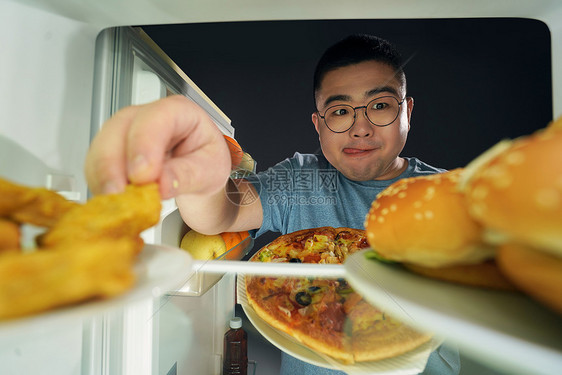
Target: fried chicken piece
point(37, 206)
point(66, 274)
point(9, 235)
point(88, 251)
point(125, 214)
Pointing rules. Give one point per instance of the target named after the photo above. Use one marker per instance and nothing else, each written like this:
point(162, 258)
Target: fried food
point(41, 280)
point(37, 206)
point(13, 196)
point(88, 250)
point(9, 235)
point(108, 216)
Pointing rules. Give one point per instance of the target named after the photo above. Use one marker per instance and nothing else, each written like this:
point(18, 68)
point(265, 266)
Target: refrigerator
point(178, 331)
point(66, 67)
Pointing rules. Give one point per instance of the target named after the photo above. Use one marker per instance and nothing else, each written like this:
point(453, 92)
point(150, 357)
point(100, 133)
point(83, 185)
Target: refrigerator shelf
point(199, 282)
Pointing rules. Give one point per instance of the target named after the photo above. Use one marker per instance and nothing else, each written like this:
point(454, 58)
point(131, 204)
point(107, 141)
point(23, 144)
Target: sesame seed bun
point(515, 190)
point(424, 220)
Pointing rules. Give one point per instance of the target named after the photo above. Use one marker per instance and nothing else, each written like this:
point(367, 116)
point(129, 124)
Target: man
point(362, 119)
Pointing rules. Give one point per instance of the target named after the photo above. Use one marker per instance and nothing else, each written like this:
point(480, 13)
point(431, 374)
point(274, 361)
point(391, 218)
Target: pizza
point(326, 315)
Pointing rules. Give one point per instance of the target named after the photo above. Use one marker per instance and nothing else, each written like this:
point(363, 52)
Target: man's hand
point(171, 141)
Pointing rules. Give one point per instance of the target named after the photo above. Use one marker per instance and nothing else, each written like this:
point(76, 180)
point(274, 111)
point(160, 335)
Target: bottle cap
point(236, 323)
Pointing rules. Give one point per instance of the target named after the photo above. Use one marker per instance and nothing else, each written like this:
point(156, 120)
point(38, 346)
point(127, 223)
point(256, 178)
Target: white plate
point(508, 331)
point(412, 362)
point(159, 269)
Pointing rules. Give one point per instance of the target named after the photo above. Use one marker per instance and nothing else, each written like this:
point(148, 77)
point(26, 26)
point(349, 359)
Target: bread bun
point(424, 220)
point(483, 275)
point(537, 273)
point(515, 190)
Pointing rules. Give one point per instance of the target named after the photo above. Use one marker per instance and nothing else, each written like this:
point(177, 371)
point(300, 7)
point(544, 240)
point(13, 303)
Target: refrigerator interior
point(49, 110)
point(180, 332)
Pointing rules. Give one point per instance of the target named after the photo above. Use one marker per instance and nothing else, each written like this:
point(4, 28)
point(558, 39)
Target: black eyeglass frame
point(366, 115)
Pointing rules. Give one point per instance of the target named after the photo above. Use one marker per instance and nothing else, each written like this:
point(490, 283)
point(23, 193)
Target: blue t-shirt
point(306, 191)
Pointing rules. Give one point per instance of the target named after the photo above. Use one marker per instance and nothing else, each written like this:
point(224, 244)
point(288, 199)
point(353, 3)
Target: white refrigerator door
point(171, 334)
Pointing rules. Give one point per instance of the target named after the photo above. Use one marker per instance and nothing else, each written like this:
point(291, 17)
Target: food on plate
point(9, 235)
point(484, 275)
point(37, 206)
point(326, 314)
point(509, 198)
point(515, 190)
point(88, 250)
point(538, 273)
point(41, 280)
point(375, 335)
point(108, 216)
point(316, 245)
point(203, 246)
point(424, 220)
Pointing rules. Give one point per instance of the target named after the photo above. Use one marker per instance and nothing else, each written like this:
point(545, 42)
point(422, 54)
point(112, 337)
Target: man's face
point(364, 152)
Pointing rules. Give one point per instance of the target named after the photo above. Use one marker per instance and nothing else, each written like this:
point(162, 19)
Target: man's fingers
point(175, 143)
point(158, 129)
point(205, 171)
point(105, 165)
point(170, 141)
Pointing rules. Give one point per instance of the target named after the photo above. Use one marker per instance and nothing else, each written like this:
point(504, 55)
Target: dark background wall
point(474, 81)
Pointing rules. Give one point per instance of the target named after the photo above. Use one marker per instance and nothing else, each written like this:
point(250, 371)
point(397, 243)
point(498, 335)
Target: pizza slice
point(326, 314)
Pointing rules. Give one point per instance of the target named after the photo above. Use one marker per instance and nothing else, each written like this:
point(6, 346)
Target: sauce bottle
point(235, 349)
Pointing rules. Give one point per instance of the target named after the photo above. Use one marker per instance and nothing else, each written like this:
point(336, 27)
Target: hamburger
point(536, 272)
point(515, 192)
point(423, 222)
point(495, 223)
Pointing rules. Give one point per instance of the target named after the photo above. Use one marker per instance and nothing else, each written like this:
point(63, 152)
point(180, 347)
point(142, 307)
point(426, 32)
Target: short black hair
point(355, 49)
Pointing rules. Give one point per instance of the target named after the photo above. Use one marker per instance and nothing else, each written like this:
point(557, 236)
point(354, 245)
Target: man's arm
point(230, 210)
point(173, 142)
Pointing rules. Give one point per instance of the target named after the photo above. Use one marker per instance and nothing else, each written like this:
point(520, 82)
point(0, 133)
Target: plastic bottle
point(235, 349)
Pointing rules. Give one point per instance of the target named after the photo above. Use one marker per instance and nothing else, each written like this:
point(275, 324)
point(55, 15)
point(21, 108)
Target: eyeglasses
point(381, 111)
